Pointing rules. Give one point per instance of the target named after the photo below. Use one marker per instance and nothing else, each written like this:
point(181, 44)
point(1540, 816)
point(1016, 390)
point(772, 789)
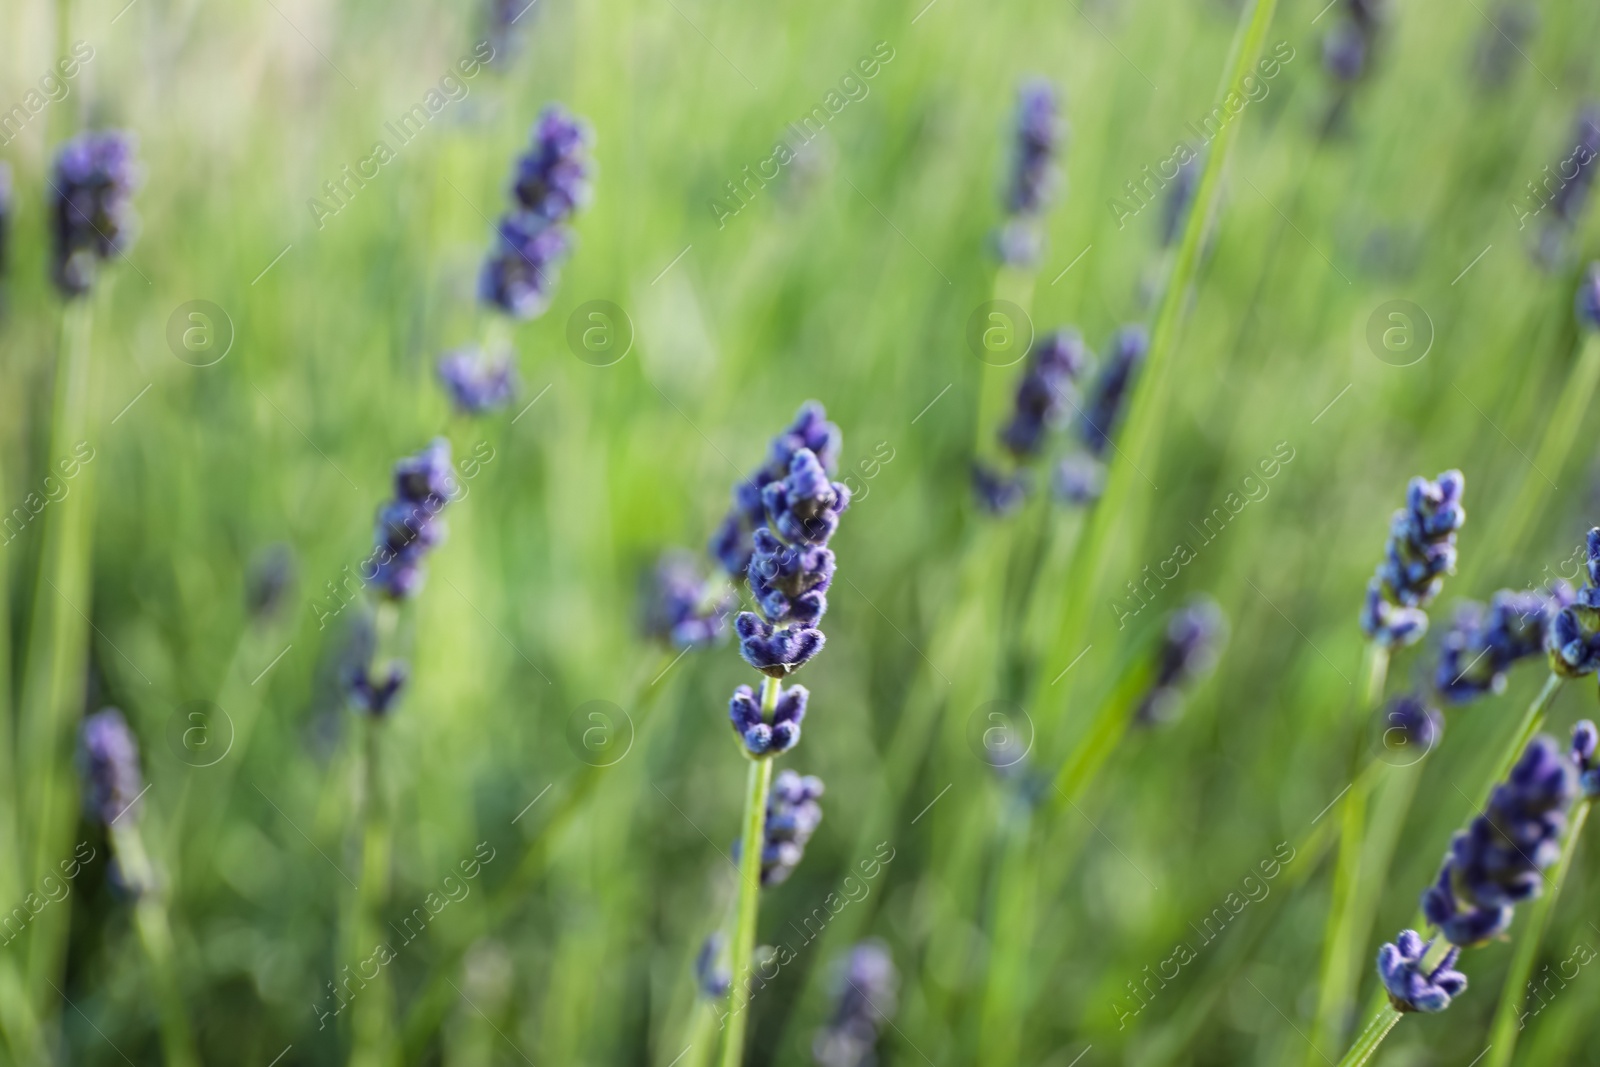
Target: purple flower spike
point(762, 738)
point(477, 382)
point(1582, 751)
point(1189, 650)
point(1046, 391)
point(804, 507)
point(409, 526)
point(1409, 989)
point(1482, 645)
point(1420, 552)
point(710, 972)
point(1105, 409)
point(999, 494)
point(553, 178)
point(521, 273)
point(90, 214)
point(793, 815)
point(1574, 635)
point(772, 651)
point(373, 695)
point(683, 609)
point(1035, 175)
point(1587, 302)
point(1411, 725)
point(810, 430)
point(867, 991)
point(108, 756)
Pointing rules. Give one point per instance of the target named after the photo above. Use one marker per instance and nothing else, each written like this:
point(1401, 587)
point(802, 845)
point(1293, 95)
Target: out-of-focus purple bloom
point(272, 575)
point(375, 693)
point(1180, 197)
point(1565, 189)
point(1411, 725)
point(793, 815)
point(409, 526)
point(731, 544)
point(1348, 47)
point(1587, 301)
point(1482, 644)
point(1408, 986)
point(997, 493)
point(477, 381)
point(108, 756)
point(1100, 418)
point(552, 179)
point(866, 993)
point(681, 607)
point(91, 217)
point(1574, 641)
point(1500, 48)
point(1046, 391)
point(762, 738)
point(1034, 174)
point(1582, 750)
point(1079, 479)
point(710, 973)
point(1189, 650)
point(521, 272)
point(1420, 552)
point(1497, 862)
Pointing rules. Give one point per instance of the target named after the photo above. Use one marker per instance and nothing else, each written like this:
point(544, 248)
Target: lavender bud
point(520, 274)
point(553, 177)
point(1587, 302)
point(762, 738)
point(866, 993)
point(1409, 989)
point(710, 972)
point(1582, 753)
point(793, 815)
point(408, 526)
point(477, 382)
point(999, 494)
point(1046, 390)
point(810, 431)
point(91, 218)
point(1574, 634)
point(272, 575)
point(373, 695)
point(1100, 418)
point(108, 757)
point(1180, 197)
point(1481, 645)
point(1079, 479)
point(1189, 650)
point(1035, 176)
point(1410, 724)
point(1421, 550)
point(681, 608)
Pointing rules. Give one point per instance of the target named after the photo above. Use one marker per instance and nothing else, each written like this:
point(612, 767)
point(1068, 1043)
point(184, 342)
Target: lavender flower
point(1482, 644)
point(762, 738)
point(1347, 50)
point(553, 177)
point(867, 994)
point(1128, 348)
point(1501, 45)
point(1411, 724)
point(681, 608)
point(711, 975)
point(1571, 193)
point(1180, 197)
point(408, 526)
point(476, 381)
point(108, 756)
point(1421, 550)
point(272, 575)
point(1034, 174)
point(997, 493)
point(1582, 751)
point(1055, 363)
point(1497, 862)
point(1189, 650)
point(91, 219)
point(1574, 640)
point(731, 545)
point(1409, 989)
point(793, 815)
point(372, 694)
point(1079, 479)
point(1587, 302)
point(521, 273)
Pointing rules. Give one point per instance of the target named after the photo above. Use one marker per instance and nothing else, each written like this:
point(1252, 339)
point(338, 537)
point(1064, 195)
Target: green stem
point(1507, 1023)
point(1371, 1038)
point(1141, 436)
point(373, 1044)
point(758, 784)
point(155, 934)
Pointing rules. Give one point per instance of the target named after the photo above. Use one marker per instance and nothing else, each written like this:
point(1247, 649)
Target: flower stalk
point(758, 783)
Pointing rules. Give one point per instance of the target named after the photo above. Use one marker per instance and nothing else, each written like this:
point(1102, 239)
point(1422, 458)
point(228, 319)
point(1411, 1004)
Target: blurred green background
point(851, 280)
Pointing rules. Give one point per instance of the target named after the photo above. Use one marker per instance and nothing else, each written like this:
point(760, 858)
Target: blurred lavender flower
point(1582, 751)
point(866, 992)
point(1079, 479)
point(520, 274)
point(711, 975)
point(476, 381)
point(1421, 550)
point(271, 576)
point(371, 694)
point(682, 608)
point(1574, 641)
point(997, 493)
point(553, 178)
point(1498, 860)
point(1500, 48)
point(408, 526)
point(1180, 197)
point(1100, 418)
point(1189, 650)
point(1410, 725)
point(1034, 174)
point(1047, 389)
point(731, 544)
point(1482, 644)
point(90, 213)
point(1348, 47)
point(108, 757)
point(1571, 193)
point(504, 19)
point(793, 815)
point(1587, 301)
point(1409, 989)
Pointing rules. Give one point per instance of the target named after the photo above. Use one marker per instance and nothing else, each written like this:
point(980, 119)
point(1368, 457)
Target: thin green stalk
point(1140, 438)
point(1507, 1023)
point(1371, 1038)
point(155, 934)
point(758, 784)
point(373, 1044)
point(57, 654)
point(1011, 926)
